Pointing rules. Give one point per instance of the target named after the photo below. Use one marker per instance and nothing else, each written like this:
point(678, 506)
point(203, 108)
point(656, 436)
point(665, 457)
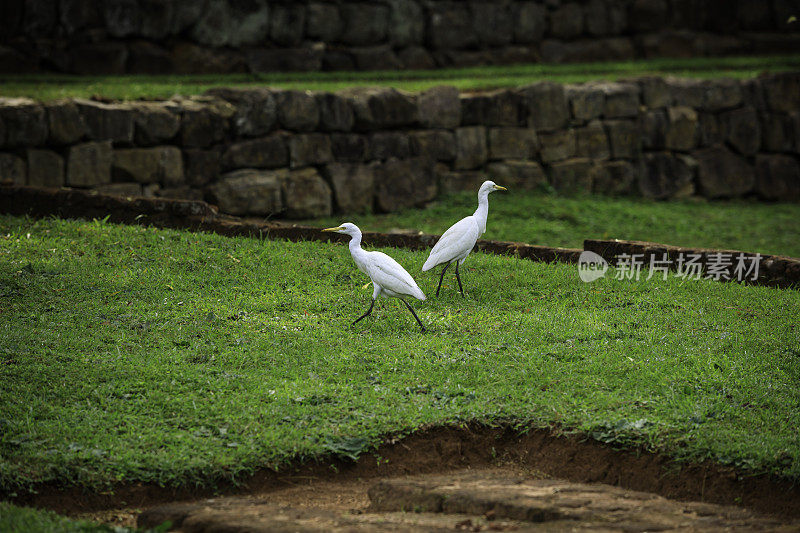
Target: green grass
point(551, 220)
point(131, 87)
point(133, 354)
point(14, 519)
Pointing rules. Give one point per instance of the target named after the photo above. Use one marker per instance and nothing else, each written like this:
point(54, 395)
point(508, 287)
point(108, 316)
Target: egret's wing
point(458, 240)
point(388, 273)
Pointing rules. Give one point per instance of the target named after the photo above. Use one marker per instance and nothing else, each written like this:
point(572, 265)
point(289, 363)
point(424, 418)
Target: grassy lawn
point(130, 87)
point(551, 220)
point(14, 519)
point(135, 354)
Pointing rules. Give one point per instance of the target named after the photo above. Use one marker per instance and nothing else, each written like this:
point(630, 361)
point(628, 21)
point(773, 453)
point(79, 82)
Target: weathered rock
point(586, 102)
point(122, 17)
point(604, 18)
point(162, 164)
point(156, 18)
point(201, 167)
point(89, 164)
point(668, 43)
point(740, 129)
point(12, 169)
point(547, 106)
point(66, 123)
point(75, 15)
point(687, 91)
point(557, 145)
point(566, 21)
point(512, 143)
point(13, 61)
point(592, 141)
point(256, 109)
point(439, 145)
point(530, 22)
point(349, 147)
point(249, 192)
point(721, 94)
point(297, 110)
point(120, 189)
point(682, 128)
point(401, 183)
point(323, 21)
point(624, 138)
point(572, 176)
point(107, 121)
point(406, 23)
point(721, 173)
point(306, 195)
point(664, 176)
point(450, 27)
point(776, 132)
point(155, 122)
point(309, 149)
point(621, 100)
point(613, 177)
point(188, 58)
point(265, 152)
point(655, 92)
point(493, 22)
point(287, 23)
point(654, 129)
point(364, 23)
point(451, 181)
point(471, 149)
point(647, 15)
point(709, 130)
point(215, 26)
point(782, 91)
point(380, 57)
point(335, 112)
point(180, 193)
point(301, 59)
point(383, 108)
point(204, 123)
point(145, 57)
point(440, 107)
point(497, 108)
point(386, 144)
point(98, 58)
point(337, 60)
point(415, 58)
point(778, 177)
point(24, 121)
point(517, 174)
point(45, 168)
point(353, 186)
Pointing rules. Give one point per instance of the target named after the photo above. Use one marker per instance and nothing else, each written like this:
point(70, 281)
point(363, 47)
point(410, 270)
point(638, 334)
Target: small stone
point(547, 105)
point(386, 144)
point(440, 107)
point(201, 166)
point(401, 183)
point(613, 177)
point(566, 21)
point(778, 177)
point(740, 128)
point(571, 176)
point(12, 170)
point(383, 108)
point(471, 149)
point(256, 109)
point(682, 128)
point(89, 164)
point(155, 123)
point(592, 141)
point(120, 189)
point(25, 122)
point(249, 192)
point(45, 168)
point(586, 101)
point(530, 22)
point(666, 176)
point(66, 124)
point(335, 112)
point(309, 149)
point(621, 100)
point(349, 147)
point(624, 138)
point(498, 108)
point(297, 110)
point(323, 21)
point(353, 186)
point(364, 23)
point(517, 174)
point(162, 164)
point(306, 194)
point(287, 23)
point(204, 122)
point(723, 174)
point(439, 145)
point(107, 121)
point(380, 57)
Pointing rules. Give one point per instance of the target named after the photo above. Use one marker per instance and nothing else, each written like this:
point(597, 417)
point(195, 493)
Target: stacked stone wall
point(196, 36)
point(297, 154)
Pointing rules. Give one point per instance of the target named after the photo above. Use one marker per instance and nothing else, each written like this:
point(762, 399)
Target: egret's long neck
point(355, 247)
point(482, 213)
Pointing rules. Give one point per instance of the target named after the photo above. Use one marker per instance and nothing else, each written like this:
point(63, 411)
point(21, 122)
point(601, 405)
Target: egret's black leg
point(460, 288)
point(415, 315)
point(441, 278)
point(371, 305)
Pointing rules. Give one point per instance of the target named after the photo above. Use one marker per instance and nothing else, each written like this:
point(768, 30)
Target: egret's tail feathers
point(418, 294)
point(429, 264)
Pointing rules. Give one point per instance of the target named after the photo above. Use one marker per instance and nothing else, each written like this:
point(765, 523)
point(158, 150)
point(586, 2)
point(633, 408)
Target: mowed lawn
point(551, 220)
point(135, 354)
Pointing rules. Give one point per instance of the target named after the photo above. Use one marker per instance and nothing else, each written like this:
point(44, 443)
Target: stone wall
point(199, 36)
point(297, 154)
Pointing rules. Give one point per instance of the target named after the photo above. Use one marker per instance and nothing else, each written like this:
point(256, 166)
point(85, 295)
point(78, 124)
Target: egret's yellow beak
point(337, 228)
point(500, 188)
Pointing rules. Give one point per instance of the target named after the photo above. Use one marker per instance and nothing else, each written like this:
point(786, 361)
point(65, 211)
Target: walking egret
point(458, 241)
point(389, 279)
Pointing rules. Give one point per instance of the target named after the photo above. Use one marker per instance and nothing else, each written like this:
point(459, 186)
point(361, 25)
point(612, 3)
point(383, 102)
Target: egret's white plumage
point(389, 279)
point(458, 241)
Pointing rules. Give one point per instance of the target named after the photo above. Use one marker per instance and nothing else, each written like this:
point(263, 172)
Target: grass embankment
point(551, 220)
point(14, 519)
point(133, 354)
point(132, 87)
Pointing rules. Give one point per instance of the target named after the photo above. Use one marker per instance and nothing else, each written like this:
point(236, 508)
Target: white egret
point(458, 241)
point(389, 279)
